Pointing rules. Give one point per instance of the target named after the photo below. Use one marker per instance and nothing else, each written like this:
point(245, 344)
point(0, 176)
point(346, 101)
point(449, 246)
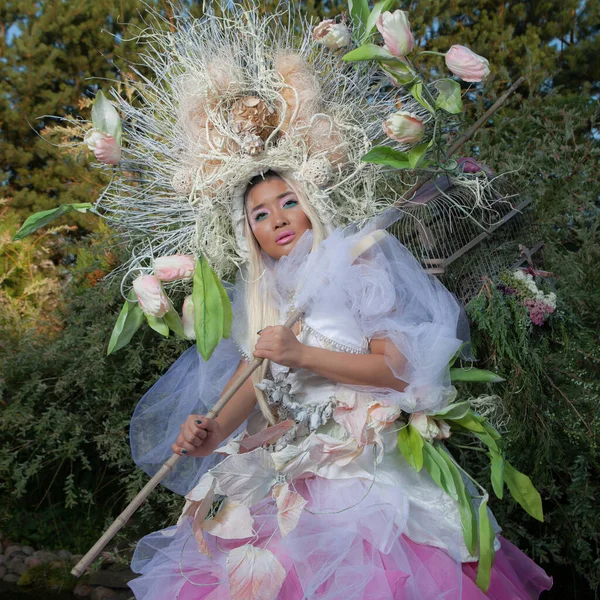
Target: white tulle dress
point(322, 505)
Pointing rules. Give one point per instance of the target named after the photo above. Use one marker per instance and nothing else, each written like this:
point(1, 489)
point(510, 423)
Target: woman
point(326, 506)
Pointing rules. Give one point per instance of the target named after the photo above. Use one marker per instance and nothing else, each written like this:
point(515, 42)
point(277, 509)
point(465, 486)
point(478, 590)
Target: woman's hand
point(280, 345)
point(198, 436)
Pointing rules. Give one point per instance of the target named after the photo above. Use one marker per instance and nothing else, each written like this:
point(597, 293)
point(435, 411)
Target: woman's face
point(275, 216)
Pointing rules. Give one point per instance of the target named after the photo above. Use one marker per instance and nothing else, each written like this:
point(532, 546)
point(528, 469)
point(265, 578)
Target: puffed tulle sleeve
point(190, 386)
point(371, 275)
point(424, 325)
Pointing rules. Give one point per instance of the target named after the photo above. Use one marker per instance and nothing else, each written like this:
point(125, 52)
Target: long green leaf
point(416, 91)
point(523, 491)
point(42, 218)
point(128, 322)
point(208, 309)
point(437, 468)
point(417, 154)
point(457, 410)
point(410, 444)
point(486, 548)
point(465, 505)
point(380, 7)
point(470, 374)
point(359, 11)
point(471, 421)
point(497, 473)
point(173, 321)
point(384, 155)
point(227, 311)
point(371, 52)
point(158, 324)
point(449, 98)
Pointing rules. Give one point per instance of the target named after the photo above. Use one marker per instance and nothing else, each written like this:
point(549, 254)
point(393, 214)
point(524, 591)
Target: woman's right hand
point(199, 436)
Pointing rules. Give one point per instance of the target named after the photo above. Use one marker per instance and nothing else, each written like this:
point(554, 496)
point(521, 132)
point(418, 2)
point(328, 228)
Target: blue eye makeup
point(290, 203)
point(261, 216)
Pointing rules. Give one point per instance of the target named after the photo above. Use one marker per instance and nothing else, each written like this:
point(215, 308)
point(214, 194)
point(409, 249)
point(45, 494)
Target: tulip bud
point(176, 266)
point(404, 127)
point(151, 296)
point(105, 147)
point(187, 318)
point(331, 34)
point(466, 64)
point(395, 29)
point(444, 429)
point(425, 425)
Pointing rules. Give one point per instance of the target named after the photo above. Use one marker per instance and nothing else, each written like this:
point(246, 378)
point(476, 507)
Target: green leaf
point(470, 374)
point(497, 473)
point(105, 117)
point(359, 11)
point(370, 52)
point(380, 7)
point(437, 468)
point(173, 321)
point(410, 443)
point(457, 410)
point(523, 491)
point(384, 155)
point(208, 309)
point(158, 324)
point(465, 505)
point(227, 312)
point(128, 322)
point(449, 98)
point(471, 421)
point(457, 354)
point(486, 548)
point(416, 91)
point(40, 219)
point(416, 154)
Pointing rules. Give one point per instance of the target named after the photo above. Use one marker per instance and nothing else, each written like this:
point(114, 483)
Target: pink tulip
point(151, 296)
point(187, 318)
point(466, 64)
point(176, 266)
point(425, 425)
point(331, 34)
point(105, 147)
point(404, 127)
point(395, 29)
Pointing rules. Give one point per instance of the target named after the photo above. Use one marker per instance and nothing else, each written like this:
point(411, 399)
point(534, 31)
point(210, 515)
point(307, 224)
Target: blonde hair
point(260, 312)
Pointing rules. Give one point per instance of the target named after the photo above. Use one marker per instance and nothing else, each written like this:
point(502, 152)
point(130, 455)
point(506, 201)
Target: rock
point(64, 555)
point(83, 590)
point(2, 571)
point(10, 578)
point(12, 550)
point(45, 556)
point(102, 593)
point(58, 564)
point(2, 559)
point(27, 550)
point(16, 565)
point(113, 579)
point(33, 561)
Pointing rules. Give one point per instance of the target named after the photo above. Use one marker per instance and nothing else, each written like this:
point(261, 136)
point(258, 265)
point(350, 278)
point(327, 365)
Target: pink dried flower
point(466, 64)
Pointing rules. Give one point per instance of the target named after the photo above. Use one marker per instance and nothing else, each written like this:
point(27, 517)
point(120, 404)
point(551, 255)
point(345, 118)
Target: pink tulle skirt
point(348, 553)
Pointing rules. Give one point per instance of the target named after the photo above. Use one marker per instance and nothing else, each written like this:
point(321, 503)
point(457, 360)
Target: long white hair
point(260, 312)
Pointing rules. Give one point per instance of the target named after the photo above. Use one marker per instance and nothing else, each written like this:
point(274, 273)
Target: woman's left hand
point(280, 345)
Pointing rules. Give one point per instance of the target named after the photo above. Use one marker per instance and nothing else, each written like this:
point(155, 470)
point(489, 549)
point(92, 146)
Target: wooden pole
point(122, 519)
point(465, 137)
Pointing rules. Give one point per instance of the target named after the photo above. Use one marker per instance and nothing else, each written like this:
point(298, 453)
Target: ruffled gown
point(323, 505)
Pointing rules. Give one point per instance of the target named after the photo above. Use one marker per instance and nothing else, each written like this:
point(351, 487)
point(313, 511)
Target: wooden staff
point(122, 519)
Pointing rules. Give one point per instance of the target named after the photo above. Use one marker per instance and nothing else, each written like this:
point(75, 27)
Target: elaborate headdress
point(233, 96)
point(236, 94)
